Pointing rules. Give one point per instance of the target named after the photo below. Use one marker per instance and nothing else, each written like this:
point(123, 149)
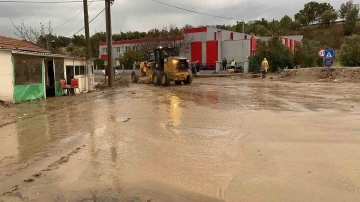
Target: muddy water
point(217, 140)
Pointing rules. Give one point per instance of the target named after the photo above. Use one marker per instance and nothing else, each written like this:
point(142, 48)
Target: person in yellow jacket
point(232, 64)
point(143, 68)
point(264, 67)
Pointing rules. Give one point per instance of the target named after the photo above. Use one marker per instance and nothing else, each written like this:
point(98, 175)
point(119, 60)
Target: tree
point(321, 9)
point(307, 54)
point(286, 22)
point(76, 51)
point(168, 36)
point(328, 17)
point(100, 63)
point(94, 42)
point(350, 51)
point(78, 40)
point(312, 12)
point(295, 25)
point(129, 57)
point(309, 11)
point(345, 8)
point(278, 55)
point(350, 12)
point(257, 29)
point(32, 35)
point(302, 18)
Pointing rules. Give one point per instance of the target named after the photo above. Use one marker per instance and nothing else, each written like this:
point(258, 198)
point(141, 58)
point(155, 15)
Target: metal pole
point(243, 28)
point(87, 39)
point(110, 65)
point(273, 28)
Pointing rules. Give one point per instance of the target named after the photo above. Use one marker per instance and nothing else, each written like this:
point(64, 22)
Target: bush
point(278, 55)
point(307, 54)
point(100, 63)
point(129, 57)
point(350, 51)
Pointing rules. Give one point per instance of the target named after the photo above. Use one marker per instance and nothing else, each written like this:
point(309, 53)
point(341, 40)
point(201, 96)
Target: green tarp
point(58, 90)
point(28, 92)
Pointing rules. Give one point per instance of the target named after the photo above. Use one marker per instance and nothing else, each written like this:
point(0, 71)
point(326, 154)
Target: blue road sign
point(329, 62)
point(329, 54)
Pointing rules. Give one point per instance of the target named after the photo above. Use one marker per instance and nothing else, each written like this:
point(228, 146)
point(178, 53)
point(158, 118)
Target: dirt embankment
point(340, 74)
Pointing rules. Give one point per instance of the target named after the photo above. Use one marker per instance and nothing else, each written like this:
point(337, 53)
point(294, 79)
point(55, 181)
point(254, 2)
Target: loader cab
point(161, 56)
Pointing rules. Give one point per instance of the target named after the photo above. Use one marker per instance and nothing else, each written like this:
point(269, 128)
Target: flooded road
point(220, 139)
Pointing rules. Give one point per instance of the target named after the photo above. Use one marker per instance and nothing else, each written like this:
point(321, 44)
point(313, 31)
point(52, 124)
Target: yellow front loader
point(164, 67)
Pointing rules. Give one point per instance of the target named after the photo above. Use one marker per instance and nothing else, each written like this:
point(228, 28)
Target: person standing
point(197, 66)
point(232, 64)
point(224, 63)
point(264, 68)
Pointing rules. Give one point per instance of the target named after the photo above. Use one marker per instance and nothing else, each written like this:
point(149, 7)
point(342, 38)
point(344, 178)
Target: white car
point(103, 72)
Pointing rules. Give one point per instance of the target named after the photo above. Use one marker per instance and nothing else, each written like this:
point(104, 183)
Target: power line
point(216, 16)
point(91, 20)
point(46, 2)
point(72, 17)
point(69, 19)
point(77, 25)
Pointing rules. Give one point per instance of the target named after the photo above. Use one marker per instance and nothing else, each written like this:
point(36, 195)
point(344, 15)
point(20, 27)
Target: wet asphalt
point(220, 139)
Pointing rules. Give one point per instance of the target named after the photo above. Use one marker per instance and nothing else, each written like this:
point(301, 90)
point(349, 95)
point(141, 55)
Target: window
point(77, 70)
point(104, 50)
point(82, 70)
point(117, 49)
point(59, 68)
point(28, 69)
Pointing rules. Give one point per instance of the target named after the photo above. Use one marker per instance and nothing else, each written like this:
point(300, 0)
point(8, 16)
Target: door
point(69, 74)
point(51, 74)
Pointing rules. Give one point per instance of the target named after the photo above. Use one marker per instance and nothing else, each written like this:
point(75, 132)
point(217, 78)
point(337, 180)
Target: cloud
point(142, 15)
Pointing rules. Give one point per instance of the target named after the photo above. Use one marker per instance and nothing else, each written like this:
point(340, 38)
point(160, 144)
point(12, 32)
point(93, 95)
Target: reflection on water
point(175, 110)
point(33, 138)
point(213, 97)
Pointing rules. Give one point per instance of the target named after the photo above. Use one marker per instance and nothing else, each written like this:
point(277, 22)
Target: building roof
point(147, 40)
point(16, 44)
point(45, 54)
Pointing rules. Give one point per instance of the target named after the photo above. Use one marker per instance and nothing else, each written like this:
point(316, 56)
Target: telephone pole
point(110, 66)
point(273, 28)
point(87, 39)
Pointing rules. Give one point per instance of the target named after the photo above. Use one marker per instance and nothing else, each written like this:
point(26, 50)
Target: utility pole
point(87, 39)
point(243, 27)
point(273, 28)
point(110, 66)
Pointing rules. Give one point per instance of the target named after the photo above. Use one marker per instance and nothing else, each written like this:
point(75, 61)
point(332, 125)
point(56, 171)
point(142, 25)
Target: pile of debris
point(288, 73)
point(3, 104)
point(120, 81)
point(321, 74)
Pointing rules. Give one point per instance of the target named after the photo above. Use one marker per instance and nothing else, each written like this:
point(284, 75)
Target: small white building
point(29, 72)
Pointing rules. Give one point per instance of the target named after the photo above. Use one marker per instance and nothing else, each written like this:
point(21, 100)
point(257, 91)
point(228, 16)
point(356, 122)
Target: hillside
point(332, 36)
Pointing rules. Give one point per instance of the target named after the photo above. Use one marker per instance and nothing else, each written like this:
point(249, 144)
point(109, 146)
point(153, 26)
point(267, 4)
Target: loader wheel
point(156, 78)
point(178, 82)
point(188, 79)
point(165, 79)
point(134, 77)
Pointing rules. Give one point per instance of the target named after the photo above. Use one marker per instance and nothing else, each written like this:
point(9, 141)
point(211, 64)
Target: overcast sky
point(142, 15)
